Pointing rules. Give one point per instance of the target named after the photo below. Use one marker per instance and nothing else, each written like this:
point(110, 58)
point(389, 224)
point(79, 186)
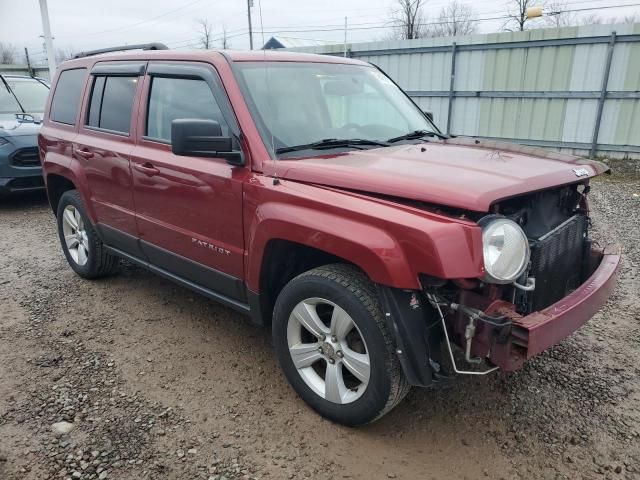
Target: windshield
point(302, 103)
point(30, 93)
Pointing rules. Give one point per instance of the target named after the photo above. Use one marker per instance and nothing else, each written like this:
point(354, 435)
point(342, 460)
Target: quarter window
point(111, 103)
point(66, 98)
point(173, 98)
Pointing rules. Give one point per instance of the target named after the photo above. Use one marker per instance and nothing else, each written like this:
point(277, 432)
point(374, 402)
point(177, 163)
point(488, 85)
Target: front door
point(188, 209)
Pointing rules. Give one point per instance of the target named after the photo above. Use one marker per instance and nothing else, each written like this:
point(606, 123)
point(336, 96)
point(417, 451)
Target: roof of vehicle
point(203, 55)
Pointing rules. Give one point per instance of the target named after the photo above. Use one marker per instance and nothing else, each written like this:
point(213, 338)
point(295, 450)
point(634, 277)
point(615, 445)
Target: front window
point(302, 103)
point(174, 98)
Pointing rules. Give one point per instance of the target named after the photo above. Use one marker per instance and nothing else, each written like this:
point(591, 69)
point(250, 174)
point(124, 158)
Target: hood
point(459, 172)
point(10, 127)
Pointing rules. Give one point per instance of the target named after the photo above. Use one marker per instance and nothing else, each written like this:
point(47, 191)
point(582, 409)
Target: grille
point(556, 262)
point(26, 183)
point(26, 157)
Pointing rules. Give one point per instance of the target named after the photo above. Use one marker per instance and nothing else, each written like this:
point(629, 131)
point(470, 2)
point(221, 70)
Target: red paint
point(450, 173)
point(549, 326)
point(535, 333)
point(179, 203)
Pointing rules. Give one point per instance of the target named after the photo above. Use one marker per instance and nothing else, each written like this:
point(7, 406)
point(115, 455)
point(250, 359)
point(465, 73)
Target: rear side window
point(173, 98)
point(66, 98)
point(111, 103)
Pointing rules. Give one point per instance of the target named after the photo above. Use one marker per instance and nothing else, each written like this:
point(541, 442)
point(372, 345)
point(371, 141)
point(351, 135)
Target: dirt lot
point(160, 383)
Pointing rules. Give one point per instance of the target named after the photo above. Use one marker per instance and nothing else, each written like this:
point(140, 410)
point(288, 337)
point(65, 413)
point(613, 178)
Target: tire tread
point(354, 280)
point(106, 263)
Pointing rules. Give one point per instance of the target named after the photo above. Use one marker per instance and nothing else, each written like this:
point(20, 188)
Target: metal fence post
point(603, 95)
point(451, 86)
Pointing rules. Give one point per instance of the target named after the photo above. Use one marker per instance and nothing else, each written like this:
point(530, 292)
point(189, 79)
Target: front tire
point(334, 348)
point(82, 247)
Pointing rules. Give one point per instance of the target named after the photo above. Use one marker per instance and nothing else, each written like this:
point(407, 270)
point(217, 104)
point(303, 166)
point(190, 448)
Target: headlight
point(505, 249)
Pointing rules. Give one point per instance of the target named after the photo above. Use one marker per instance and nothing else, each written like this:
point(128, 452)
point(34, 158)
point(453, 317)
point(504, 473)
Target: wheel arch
point(282, 261)
point(57, 185)
point(374, 250)
point(60, 179)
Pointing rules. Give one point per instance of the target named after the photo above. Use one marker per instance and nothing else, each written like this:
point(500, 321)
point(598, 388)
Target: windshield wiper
point(333, 143)
point(417, 134)
point(12, 93)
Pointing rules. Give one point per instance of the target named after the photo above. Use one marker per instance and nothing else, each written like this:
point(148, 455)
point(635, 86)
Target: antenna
point(345, 37)
point(261, 25)
point(266, 79)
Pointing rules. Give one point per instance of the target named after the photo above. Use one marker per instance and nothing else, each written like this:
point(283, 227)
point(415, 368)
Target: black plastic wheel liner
point(416, 331)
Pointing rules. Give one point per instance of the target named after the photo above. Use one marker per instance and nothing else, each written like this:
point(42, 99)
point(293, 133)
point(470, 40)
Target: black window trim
point(137, 72)
point(79, 107)
point(193, 71)
point(119, 69)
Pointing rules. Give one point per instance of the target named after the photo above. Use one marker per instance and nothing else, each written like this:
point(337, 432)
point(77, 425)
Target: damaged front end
point(565, 281)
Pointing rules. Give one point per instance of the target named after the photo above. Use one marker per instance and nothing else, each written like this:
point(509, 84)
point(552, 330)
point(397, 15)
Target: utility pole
point(345, 37)
point(46, 29)
point(26, 54)
point(249, 5)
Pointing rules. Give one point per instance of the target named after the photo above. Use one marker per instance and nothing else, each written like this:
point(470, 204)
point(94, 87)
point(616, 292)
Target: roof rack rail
point(141, 46)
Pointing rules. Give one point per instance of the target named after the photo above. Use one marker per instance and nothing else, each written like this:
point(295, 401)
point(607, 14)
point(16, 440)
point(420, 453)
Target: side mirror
point(202, 138)
point(428, 114)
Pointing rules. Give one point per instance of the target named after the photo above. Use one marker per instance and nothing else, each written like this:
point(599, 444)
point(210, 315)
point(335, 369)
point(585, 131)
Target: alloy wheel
point(328, 350)
point(75, 235)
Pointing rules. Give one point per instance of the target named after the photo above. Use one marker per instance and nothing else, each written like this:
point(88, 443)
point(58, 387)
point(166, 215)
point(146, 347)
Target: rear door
point(189, 209)
point(104, 144)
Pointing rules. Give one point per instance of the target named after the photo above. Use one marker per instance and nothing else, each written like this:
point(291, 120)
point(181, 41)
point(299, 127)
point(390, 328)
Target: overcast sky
point(84, 24)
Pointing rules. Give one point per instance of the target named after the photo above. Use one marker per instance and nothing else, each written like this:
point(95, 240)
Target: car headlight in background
point(505, 249)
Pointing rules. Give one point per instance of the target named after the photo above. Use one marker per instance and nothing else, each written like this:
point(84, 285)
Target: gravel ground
point(132, 377)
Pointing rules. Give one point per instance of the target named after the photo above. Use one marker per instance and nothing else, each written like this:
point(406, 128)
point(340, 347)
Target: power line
point(386, 24)
point(445, 22)
point(142, 22)
point(363, 26)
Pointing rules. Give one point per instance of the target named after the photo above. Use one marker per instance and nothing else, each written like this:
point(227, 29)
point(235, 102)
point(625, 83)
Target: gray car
point(22, 101)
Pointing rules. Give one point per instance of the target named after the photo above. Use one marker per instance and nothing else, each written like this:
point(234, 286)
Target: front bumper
point(21, 184)
point(525, 337)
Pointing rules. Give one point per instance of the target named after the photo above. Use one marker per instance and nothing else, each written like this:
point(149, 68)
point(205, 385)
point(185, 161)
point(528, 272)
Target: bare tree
point(517, 14)
point(592, 19)
point(557, 14)
point(454, 19)
point(596, 19)
point(7, 53)
point(632, 18)
point(224, 38)
point(407, 19)
point(62, 54)
point(205, 40)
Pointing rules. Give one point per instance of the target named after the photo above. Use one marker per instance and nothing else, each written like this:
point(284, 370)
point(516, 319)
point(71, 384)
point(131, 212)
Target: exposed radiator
point(556, 262)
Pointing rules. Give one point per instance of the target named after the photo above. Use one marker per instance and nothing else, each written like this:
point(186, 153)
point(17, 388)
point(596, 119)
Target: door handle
point(146, 168)
point(83, 152)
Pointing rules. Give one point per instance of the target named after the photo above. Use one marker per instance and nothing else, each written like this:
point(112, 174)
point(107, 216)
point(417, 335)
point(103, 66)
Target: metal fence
point(574, 88)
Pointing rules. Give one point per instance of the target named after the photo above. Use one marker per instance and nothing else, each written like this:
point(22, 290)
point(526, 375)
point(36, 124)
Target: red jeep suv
point(311, 193)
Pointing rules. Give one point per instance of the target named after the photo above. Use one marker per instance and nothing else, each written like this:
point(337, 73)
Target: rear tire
point(82, 247)
point(370, 379)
